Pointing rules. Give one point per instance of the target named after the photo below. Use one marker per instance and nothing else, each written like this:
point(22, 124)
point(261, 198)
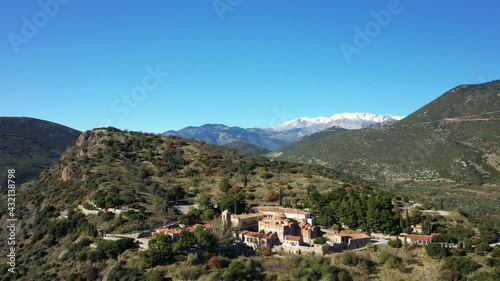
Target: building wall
point(281, 230)
point(358, 243)
point(246, 223)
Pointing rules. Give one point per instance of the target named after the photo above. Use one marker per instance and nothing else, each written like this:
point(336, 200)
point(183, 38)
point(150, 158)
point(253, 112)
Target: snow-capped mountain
point(348, 121)
point(274, 138)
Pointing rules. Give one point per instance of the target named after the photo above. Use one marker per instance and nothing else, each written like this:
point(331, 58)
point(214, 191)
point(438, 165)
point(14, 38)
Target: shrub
point(224, 185)
point(496, 252)
point(350, 258)
point(320, 240)
point(460, 264)
point(189, 273)
point(481, 248)
point(209, 214)
point(436, 251)
point(395, 243)
point(215, 263)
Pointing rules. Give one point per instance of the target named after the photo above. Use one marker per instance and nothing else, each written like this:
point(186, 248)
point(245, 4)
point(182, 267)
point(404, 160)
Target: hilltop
point(30, 145)
point(145, 175)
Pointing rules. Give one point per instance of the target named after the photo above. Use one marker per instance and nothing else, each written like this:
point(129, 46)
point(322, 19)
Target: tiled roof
point(427, 238)
point(282, 210)
point(353, 235)
point(254, 234)
point(293, 238)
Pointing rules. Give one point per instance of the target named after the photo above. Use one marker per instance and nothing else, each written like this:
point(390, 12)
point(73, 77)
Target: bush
point(224, 185)
point(350, 258)
point(491, 262)
point(481, 248)
point(395, 243)
point(460, 264)
point(393, 262)
point(189, 273)
point(216, 263)
point(209, 214)
point(235, 271)
point(496, 252)
point(320, 240)
point(436, 251)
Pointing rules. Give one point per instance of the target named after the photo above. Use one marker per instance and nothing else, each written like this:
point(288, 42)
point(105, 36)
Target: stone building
point(246, 221)
point(350, 241)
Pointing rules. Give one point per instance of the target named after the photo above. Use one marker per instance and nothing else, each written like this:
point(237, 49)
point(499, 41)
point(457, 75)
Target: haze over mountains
point(276, 137)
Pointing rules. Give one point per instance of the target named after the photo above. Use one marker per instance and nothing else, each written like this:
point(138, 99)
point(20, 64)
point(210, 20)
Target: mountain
point(274, 138)
point(248, 148)
point(30, 145)
point(348, 121)
point(450, 146)
point(221, 134)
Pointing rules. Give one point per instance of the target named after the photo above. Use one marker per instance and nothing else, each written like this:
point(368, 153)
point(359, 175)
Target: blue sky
point(238, 62)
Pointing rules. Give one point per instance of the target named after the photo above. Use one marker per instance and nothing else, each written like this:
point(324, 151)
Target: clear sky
point(245, 63)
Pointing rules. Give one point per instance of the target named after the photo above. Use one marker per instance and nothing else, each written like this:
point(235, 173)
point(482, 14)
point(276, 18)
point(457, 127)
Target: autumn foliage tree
point(215, 263)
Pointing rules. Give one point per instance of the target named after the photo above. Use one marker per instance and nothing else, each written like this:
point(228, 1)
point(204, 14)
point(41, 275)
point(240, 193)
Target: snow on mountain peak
point(344, 120)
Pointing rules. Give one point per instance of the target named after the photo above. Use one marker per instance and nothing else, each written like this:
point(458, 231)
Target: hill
point(145, 175)
point(247, 148)
point(30, 145)
point(448, 148)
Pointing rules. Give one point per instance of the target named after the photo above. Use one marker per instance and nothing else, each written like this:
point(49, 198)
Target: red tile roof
point(427, 238)
point(281, 210)
point(293, 238)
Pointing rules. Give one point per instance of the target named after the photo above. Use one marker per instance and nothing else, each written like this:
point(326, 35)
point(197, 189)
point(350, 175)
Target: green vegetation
point(362, 209)
point(247, 148)
point(144, 176)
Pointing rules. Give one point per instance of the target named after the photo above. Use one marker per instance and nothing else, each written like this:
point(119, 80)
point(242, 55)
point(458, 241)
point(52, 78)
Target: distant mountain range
point(274, 138)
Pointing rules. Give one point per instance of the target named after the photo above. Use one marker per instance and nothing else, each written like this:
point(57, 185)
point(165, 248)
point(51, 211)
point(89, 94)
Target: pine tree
point(407, 218)
point(281, 197)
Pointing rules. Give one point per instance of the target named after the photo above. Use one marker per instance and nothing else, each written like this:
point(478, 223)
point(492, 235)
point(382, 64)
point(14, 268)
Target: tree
point(175, 193)
point(185, 242)
point(436, 251)
point(205, 201)
point(224, 185)
point(215, 263)
point(235, 271)
point(209, 214)
point(460, 264)
point(91, 273)
point(160, 249)
point(281, 196)
point(205, 239)
point(235, 203)
point(271, 196)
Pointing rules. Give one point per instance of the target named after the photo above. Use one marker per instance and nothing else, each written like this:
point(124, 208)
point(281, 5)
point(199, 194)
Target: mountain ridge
point(280, 135)
point(31, 145)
